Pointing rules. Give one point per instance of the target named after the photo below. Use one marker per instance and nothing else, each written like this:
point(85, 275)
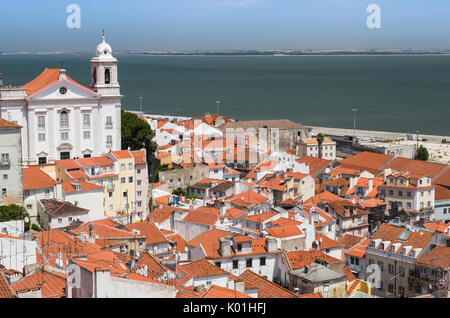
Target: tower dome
point(103, 50)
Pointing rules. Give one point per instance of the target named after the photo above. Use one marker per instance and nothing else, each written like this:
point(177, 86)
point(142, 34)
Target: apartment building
point(310, 147)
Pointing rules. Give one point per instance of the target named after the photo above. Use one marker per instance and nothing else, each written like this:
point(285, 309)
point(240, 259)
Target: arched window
point(107, 76)
point(64, 119)
point(94, 75)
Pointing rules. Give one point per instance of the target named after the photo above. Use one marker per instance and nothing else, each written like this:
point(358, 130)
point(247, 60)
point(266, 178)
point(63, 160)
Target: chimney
point(240, 287)
point(62, 74)
point(225, 247)
point(91, 229)
point(305, 270)
point(271, 245)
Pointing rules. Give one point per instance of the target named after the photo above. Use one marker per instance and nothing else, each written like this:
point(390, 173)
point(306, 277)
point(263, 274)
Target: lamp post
point(354, 121)
point(217, 103)
point(140, 102)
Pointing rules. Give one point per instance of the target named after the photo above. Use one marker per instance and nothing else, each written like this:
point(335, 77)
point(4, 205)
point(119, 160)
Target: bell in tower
point(104, 71)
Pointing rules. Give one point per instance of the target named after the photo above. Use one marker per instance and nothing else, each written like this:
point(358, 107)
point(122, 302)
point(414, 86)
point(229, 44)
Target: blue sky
point(30, 25)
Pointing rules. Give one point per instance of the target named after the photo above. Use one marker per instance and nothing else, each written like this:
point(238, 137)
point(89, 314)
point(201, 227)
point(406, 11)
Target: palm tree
point(320, 137)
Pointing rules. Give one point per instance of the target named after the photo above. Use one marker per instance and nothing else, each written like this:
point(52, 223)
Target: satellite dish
point(26, 219)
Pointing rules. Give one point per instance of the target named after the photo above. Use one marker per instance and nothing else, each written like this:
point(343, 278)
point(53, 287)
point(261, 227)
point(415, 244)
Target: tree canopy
point(13, 212)
point(422, 154)
point(136, 133)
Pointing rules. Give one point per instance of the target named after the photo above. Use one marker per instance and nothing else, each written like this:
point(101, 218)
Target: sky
point(30, 25)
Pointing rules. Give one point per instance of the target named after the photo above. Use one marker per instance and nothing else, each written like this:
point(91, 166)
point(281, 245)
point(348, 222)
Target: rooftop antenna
point(103, 35)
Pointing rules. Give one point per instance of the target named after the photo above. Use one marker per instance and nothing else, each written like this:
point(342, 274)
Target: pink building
point(141, 177)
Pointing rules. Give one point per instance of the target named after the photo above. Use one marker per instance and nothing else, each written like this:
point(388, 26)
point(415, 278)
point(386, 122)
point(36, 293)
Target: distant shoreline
point(224, 54)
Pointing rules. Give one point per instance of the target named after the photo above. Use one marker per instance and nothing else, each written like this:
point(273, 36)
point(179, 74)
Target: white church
point(63, 119)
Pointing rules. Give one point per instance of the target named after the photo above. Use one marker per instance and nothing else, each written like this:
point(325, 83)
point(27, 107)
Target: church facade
point(63, 119)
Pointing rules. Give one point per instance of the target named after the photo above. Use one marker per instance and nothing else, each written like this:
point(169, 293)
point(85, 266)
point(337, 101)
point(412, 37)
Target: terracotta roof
point(300, 259)
point(207, 209)
point(325, 196)
point(155, 269)
point(266, 288)
point(211, 248)
point(249, 197)
point(325, 242)
point(55, 207)
point(234, 213)
point(211, 235)
point(163, 213)
point(122, 154)
point(260, 217)
point(315, 164)
point(417, 239)
point(366, 159)
point(314, 141)
point(104, 231)
point(102, 161)
point(202, 268)
point(68, 164)
point(70, 187)
point(419, 167)
point(437, 257)
point(284, 232)
point(441, 193)
point(77, 174)
point(358, 250)
point(51, 283)
point(35, 178)
point(4, 124)
point(48, 77)
point(439, 227)
point(221, 292)
point(138, 157)
point(199, 217)
point(5, 289)
point(444, 178)
point(348, 240)
point(152, 233)
point(282, 221)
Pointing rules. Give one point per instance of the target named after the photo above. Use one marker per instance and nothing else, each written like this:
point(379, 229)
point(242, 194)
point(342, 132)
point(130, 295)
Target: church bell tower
point(104, 79)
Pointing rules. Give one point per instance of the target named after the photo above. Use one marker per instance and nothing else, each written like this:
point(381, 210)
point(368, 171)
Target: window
point(401, 290)
point(5, 177)
point(381, 264)
point(130, 179)
point(139, 203)
point(356, 261)
point(109, 121)
point(139, 182)
point(29, 206)
point(122, 167)
point(42, 160)
point(391, 288)
point(41, 137)
point(64, 136)
point(41, 122)
point(26, 192)
point(87, 135)
point(138, 171)
point(139, 193)
point(64, 155)
point(70, 219)
point(400, 193)
point(408, 205)
point(110, 194)
point(130, 166)
point(235, 264)
point(107, 76)
point(125, 194)
point(401, 271)
point(248, 262)
point(110, 207)
point(123, 180)
point(391, 192)
point(5, 158)
point(391, 269)
point(47, 191)
point(262, 261)
point(408, 194)
point(86, 121)
point(239, 247)
point(370, 261)
point(64, 119)
point(59, 220)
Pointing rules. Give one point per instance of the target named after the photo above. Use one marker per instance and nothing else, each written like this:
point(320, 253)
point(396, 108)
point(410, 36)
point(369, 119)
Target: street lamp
point(354, 121)
point(140, 102)
point(217, 103)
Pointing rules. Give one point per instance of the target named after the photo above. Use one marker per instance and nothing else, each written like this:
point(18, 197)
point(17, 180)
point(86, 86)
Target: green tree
point(320, 138)
point(422, 154)
point(158, 170)
point(137, 134)
point(13, 212)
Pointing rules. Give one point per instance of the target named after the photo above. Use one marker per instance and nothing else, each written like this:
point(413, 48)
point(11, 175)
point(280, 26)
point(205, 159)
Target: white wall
point(16, 253)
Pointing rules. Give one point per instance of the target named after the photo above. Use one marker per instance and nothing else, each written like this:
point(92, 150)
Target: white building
point(11, 180)
point(16, 252)
point(310, 147)
point(63, 119)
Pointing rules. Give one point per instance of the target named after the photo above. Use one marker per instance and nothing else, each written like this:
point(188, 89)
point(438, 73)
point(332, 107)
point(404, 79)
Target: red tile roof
point(51, 283)
point(444, 178)
point(437, 257)
point(162, 214)
point(152, 233)
point(441, 193)
point(7, 124)
point(315, 164)
point(69, 187)
point(102, 161)
point(348, 240)
point(35, 178)
point(358, 250)
point(266, 288)
point(221, 292)
point(48, 77)
point(367, 160)
point(300, 259)
point(122, 154)
point(260, 217)
point(284, 232)
point(202, 268)
point(212, 235)
point(325, 242)
point(155, 269)
point(198, 217)
point(138, 157)
point(419, 167)
point(5, 290)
